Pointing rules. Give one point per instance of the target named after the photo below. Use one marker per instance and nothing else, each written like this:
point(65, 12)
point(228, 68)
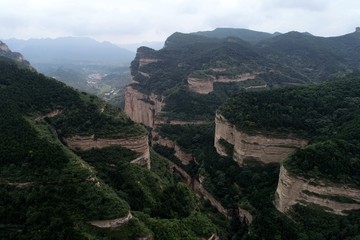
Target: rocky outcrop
point(49, 115)
point(293, 190)
point(112, 223)
point(184, 157)
point(146, 61)
point(139, 145)
point(259, 147)
point(237, 78)
point(200, 86)
point(142, 108)
point(205, 86)
point(15, 56)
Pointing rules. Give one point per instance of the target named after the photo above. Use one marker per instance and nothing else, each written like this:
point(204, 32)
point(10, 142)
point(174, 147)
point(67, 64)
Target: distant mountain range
point(99, 68)
point(71, 50)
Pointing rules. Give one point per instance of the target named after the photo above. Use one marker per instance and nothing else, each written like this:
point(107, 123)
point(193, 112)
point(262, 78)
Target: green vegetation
point(165, 205)
point(337, 160)
point(307, 111)
point(50, 192)
point(328, 114)
point(252, 187)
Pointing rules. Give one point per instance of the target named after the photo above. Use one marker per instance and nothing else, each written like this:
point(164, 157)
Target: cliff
point(139, 145)
point(200, 86)
point(244, 146)
point(205, 86)
point(142, 108)
point(184, 157)
point(334, 198)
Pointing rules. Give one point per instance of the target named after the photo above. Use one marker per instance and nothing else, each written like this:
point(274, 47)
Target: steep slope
point(179, 88)
point(99, 68)
point(66, 169)
point(6, 53)
point(322, 172)
point(201, 72)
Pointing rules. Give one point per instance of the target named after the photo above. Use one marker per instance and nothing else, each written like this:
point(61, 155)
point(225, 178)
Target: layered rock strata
point(293, 190)
point(184, 157)
point(139, 145)
point(258, 147)
point(142, 108)
point(146, 61)
point(205, 86)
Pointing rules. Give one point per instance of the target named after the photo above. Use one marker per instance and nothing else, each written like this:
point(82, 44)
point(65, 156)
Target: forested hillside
point(180, 88)
point(49, 191)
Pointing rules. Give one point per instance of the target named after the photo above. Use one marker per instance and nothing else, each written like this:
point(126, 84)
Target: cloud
point(144, 20)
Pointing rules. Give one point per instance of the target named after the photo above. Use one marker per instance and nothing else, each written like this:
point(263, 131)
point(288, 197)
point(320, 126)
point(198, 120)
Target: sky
point(133, 21)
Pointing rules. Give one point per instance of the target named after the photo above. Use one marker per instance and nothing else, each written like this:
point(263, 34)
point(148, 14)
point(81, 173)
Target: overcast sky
point(121, 21)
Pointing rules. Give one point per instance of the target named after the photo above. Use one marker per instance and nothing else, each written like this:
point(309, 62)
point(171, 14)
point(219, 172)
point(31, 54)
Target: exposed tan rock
point(214, 237)
point(238, 78)
point(137, 144)
point(294, 189)
point(142, 108)
point(262, 148)
point(199, 189)
point(184, 157)
point(205, 86)
point(257, 86)
point(200, 86)
point(112, 223)
point(49, 115)
point(146, 61)
point(4, 47)
point(245, 216)
point(219, 69)
point(164, 120)
point(147, 75)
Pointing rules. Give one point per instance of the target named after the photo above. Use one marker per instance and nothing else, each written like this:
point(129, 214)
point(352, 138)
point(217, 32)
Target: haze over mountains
point(70, 50)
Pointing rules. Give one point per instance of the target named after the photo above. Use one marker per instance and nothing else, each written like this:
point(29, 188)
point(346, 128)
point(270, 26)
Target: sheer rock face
point(259, 147)
point(183, 156)
point(205, 86)
point(200, 86)
point(139, 145)
point(293, 190)
point(142, 108)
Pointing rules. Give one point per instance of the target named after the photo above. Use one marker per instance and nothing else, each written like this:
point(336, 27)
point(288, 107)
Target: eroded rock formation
point(142, 108)
point(200, 86)
point(184, 157)
point(205, 86)
point(259, 147)
point(137, 144)
point(112, 223)
point(293, 190)
point(146, 61)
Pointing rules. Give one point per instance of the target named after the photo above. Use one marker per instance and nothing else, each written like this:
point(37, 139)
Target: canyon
point(294, 189)
point(257, 147)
